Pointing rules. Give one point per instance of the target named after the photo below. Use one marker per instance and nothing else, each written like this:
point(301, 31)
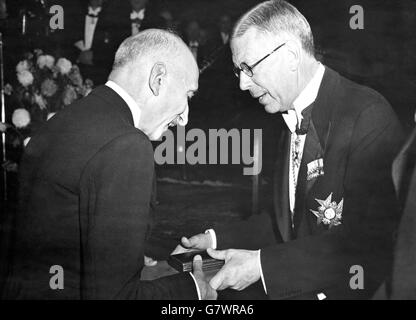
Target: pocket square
point(315, 169)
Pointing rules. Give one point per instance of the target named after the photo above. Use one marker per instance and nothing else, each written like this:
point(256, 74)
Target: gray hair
point(150, 42)
point(277, 16)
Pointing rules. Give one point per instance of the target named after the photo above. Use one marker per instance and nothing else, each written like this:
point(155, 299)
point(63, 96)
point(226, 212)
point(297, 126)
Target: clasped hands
point(240, 270)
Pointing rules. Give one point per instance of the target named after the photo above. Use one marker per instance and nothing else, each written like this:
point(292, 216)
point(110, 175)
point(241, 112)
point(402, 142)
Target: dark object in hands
point(183, 262)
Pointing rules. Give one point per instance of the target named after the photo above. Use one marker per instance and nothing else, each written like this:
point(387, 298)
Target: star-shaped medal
point(329, 213)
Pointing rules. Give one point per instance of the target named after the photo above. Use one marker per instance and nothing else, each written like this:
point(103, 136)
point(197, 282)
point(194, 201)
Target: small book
point(183, 262)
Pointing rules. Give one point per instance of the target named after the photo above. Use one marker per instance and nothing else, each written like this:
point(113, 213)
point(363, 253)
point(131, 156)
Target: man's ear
point(294, 54)
point(157, 76)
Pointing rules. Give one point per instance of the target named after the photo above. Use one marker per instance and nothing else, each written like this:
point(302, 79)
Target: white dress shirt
point(293, 118)
point(135, 27)
point(90, 25)
point(225, 37)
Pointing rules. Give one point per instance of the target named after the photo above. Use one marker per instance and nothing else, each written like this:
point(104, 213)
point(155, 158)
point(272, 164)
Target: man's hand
point(207, 292)
point(200, 242)
point(241, 269)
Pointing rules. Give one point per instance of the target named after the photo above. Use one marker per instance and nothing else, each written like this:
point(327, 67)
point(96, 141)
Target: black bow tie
point(92, 15)
point(304, 125)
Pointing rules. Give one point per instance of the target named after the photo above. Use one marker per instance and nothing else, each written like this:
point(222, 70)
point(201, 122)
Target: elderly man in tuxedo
point(334, 203)
point(86, 182)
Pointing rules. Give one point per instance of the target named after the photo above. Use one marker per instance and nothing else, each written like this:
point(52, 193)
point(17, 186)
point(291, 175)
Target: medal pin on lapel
point(329, 213)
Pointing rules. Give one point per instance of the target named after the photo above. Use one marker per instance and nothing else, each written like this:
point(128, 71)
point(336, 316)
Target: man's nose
point(245, 81)
point(183, 117)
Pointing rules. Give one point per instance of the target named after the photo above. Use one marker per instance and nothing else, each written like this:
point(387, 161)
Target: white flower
point(49, 61)
point(41, 61)
point(26, 141)
point(48, 88)
point(45, 61)
point(69, 95)
point(21, 118)
point(50, 115)
point(22, 66)
point(25, 78)
point(64, 65)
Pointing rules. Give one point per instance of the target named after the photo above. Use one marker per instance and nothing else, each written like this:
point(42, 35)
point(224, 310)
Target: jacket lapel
point(400, 164)
point(281, 188)
point(323, 125)
point(315, 147)
point(312, 151)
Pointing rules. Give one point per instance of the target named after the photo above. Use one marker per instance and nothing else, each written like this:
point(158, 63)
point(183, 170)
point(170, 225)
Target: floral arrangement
point(44, 86)
point(49, 84)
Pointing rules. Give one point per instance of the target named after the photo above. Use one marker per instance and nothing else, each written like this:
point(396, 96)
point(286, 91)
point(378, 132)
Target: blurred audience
point(3, 9)
point(168, 21)
point(196, 39)
point(92, 41)
point(225, 27)
point(137, 15)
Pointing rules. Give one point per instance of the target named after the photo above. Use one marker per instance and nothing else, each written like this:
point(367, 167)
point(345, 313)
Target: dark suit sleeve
point(115, 198)
point(403, 283)
point(322, 263)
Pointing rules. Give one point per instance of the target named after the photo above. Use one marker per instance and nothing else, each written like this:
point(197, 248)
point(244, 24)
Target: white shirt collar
point(134, 108)
point(225, 37)
point(308, 95)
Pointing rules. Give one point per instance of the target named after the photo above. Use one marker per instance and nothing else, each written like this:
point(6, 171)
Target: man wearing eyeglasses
point(334, 204)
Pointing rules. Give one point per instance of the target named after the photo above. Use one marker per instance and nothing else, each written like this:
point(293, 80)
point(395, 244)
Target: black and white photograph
point(235, 151)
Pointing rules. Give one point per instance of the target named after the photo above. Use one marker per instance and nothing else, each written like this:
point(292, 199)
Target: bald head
point(151, 44)
point(157, 69)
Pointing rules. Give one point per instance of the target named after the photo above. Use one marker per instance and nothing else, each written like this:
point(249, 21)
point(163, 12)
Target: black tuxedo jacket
point(356, 133)
point(103, 44)
point(86, 182)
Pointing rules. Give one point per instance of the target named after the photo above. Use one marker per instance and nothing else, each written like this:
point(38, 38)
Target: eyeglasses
point(248, 70)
